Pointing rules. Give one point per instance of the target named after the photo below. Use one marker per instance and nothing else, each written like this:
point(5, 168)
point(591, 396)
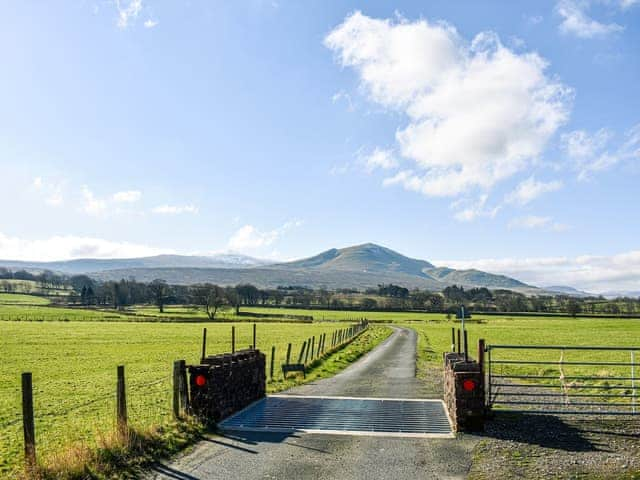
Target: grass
point(43, 313)
point(180, 311)
point(31, 286)
point(74, 363)
point(435, 338)
point(22, 299)
point(74, 366)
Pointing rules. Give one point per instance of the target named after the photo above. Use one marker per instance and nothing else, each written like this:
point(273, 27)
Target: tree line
point(214, 298)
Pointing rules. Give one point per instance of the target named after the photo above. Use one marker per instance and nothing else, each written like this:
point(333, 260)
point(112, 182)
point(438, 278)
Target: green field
point(435, 338)
point(318, 315)
point(22, 299)
point(74, 366)
point(74, 362)
point(31, 286)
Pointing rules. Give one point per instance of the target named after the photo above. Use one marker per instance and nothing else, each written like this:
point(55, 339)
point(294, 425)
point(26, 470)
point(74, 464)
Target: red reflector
point(469, 385)
point(201, 380)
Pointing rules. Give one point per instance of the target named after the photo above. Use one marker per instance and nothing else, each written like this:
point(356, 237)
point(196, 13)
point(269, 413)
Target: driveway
point(386, 372)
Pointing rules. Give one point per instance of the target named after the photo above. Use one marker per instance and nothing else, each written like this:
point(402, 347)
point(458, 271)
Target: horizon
point(277, 130)
point(531, 278)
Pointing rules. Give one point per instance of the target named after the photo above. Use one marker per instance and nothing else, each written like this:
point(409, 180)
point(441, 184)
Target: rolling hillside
point(359, 266)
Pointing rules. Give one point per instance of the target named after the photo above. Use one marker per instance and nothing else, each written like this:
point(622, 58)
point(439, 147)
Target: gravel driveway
point(387, 371)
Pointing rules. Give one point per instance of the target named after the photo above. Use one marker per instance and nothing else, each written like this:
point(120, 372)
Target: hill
point(359, 266)
point(93, 265)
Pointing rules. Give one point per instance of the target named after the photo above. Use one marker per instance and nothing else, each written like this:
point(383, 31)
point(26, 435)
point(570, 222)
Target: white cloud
point(51, 192)
point(469, 210)
point(128, 12)
point(175, 209)
point(478, 112)
point(624, 4)
point(589, 272)
point(379, 158)
point(536, 222)
point(531, 189)
point(249, 237)
point(150, 23)
point(128, 196)
point(69, 246)
point(575, 20)
point(593, 153)
point(342, 95)
point(90, 204)
point(534, 19)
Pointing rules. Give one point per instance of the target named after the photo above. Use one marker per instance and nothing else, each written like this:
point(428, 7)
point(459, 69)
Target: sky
point(498, 135)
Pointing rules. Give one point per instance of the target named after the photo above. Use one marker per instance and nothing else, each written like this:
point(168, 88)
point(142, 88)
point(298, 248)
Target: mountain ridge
point(358, 266)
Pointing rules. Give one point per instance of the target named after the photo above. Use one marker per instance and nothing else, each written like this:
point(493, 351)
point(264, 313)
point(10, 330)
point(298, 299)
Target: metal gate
point(562, 379)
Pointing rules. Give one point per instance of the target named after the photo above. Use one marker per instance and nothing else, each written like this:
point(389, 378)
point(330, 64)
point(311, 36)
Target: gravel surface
point(387, 371)
point(532, 446)
point(549, 446)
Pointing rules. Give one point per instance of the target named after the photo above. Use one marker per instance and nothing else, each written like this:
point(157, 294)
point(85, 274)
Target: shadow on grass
point(548, 431)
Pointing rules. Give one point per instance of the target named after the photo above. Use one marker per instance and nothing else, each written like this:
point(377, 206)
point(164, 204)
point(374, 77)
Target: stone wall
point(226, 383)
point(464, 392)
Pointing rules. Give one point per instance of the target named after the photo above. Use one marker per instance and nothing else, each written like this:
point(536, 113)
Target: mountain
point(94, 265)
point(621, 294)
point(359, 266)
point(366, 258)
point(565, 290)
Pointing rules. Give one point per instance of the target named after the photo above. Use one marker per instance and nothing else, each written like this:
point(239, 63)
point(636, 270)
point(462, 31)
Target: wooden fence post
point(306, 354)
point(176, 389)
point(288, 354)
point(273, 355)
point(204, 345)
point(466, 347)
point(121, 397)
point(313, 346)
point(184, 389)
point(304, 345)
point(28, 421)
point(233, 339)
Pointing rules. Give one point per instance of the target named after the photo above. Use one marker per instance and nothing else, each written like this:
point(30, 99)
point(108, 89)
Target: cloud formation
point(530, 189)
point(91, 205)
point(592, 273)
point(174, 209)
point(50, 191)
point(379, 158)
point(595, 152)
point(128, 196)
point(128, 12)
point(478, 112)
point(576, 21)
point(536, 222)
point(68, 247)
point(249, 237)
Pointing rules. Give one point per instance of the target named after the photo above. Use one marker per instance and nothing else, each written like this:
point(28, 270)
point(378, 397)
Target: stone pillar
point(464, 392)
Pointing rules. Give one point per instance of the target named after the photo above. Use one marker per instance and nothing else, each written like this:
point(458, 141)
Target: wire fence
point(80, 406)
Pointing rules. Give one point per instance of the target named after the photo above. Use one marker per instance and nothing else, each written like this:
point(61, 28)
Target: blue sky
point(501, 135)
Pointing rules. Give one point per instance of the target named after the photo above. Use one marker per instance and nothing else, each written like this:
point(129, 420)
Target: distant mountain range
point(93, 265)
point(565, 290)
point(360, 266)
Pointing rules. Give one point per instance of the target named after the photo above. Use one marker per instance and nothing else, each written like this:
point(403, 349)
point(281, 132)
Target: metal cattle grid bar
point(344, 416)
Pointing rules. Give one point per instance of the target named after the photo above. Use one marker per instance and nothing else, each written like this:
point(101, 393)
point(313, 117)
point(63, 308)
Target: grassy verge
point(73, 364)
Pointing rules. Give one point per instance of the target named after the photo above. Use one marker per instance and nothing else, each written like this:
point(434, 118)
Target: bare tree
point(212, 298)
point(159, 290)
